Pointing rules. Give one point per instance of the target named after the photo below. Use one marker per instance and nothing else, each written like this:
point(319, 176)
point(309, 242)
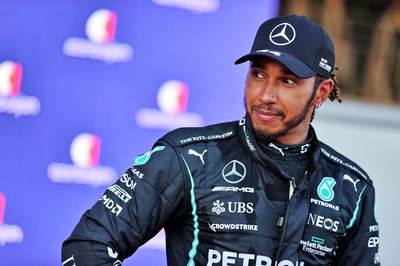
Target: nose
point(269, 93)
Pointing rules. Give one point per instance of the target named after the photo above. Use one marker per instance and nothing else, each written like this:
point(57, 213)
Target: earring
point(318, 105)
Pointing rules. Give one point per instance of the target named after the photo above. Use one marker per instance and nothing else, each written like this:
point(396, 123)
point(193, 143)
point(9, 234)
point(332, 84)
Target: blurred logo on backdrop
point(172, 99)
point(85, 154)
point(9, 233)
point(11, 101)
point(100, 45)
point(198, 6)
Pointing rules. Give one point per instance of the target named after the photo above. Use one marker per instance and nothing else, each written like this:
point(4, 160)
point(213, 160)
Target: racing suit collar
point(256, 151)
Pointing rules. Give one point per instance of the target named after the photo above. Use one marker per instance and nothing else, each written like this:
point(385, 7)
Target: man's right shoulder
point(189, 135)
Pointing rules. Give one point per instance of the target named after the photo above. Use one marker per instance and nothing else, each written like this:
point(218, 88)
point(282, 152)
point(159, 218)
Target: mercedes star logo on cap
point(282, 34)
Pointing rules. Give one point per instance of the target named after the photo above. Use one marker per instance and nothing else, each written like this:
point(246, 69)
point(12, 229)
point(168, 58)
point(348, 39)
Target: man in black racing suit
point(259, 191)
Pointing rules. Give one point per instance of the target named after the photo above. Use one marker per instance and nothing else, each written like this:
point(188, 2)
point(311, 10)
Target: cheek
point(252, 91)
point(248, 94)
point(296, 103)
point(292, 99)
point(247, 99)
point(291, 103)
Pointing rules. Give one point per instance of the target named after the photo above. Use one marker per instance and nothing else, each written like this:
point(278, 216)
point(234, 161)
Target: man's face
point(279, 103)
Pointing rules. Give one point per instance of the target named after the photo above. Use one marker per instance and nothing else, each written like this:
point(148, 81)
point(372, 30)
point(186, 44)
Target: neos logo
point(85, 150)
point(322, 222)
point(101, 25)
point(234, 172)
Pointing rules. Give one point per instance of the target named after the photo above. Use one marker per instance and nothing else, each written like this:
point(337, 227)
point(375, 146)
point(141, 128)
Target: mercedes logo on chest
point(234, 172)
point(282, 34)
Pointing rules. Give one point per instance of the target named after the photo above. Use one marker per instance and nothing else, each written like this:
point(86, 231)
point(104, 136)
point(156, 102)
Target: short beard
point(267, 137)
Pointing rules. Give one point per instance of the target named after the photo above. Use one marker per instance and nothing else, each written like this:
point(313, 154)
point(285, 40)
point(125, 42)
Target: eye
point(288, 81)
point(257, 74)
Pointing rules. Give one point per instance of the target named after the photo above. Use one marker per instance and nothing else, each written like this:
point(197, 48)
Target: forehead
point(265, 62)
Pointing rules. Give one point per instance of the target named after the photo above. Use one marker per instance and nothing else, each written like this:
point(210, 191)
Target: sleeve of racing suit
point(130, 212)
point(360, 245)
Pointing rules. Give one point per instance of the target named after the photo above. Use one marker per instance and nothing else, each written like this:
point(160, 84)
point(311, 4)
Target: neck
point(294, 136)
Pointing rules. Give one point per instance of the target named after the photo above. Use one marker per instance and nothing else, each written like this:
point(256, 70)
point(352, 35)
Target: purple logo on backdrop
point(100, 30)
point(172, 99)
point(9, 233)
point(10, 78)
point(85, 150)
point(198, 6)
point(101, 25)
point(85, 154)
point(11, 102)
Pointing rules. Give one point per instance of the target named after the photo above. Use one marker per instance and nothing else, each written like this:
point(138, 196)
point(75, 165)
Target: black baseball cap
point(298, 43)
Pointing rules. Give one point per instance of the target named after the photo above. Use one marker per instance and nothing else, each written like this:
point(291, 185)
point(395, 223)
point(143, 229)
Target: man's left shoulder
point(216, 132)
point(342, 161)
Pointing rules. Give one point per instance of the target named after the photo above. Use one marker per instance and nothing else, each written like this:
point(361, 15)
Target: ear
point(323, 92)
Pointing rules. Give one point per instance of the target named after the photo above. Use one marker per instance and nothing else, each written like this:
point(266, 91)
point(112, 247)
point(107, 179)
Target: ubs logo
point(233, 207)
point(234, 172)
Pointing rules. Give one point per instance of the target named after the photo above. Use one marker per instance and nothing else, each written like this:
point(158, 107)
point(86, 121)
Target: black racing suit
point(213, 191)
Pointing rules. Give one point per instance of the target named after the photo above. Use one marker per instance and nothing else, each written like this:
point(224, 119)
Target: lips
point(268, 115)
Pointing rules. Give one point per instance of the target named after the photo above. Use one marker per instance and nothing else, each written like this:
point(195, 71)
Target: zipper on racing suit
point(295, 191)
point(292, 187)
point(281, 220)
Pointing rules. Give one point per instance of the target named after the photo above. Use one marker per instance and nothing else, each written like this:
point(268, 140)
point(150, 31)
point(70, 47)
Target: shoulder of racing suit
point(185, 136)
point(342, 161)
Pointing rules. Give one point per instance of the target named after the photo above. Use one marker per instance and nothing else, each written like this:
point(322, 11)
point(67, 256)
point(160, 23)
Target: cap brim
point(298, 68)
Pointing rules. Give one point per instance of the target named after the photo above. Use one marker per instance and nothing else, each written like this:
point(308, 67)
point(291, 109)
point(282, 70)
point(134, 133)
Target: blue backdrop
point(86, 86)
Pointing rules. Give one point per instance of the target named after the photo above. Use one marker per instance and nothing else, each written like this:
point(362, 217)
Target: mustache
point(268, 108)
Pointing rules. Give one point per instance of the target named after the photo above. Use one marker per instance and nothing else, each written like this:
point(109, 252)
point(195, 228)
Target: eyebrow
point(258, 65)
point(283, 70)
